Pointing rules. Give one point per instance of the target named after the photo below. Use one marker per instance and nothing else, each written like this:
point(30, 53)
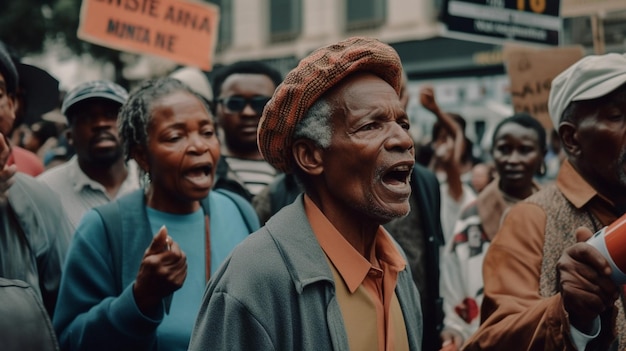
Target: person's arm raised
point(452, 162)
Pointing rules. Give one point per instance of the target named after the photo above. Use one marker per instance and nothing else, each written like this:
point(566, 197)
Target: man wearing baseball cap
point(545, 288)
point(98, 172)
point(323, 274)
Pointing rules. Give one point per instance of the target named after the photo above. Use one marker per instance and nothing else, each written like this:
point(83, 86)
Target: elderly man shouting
point(323, 274)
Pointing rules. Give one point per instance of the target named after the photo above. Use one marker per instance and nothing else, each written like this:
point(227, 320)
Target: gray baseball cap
point(103, 89)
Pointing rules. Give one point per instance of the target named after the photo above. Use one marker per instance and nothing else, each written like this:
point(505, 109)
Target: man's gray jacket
point(34, 236)
point(276, 292)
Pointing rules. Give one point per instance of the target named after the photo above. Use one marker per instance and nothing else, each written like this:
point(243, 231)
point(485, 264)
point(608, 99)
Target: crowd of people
point(252, 211)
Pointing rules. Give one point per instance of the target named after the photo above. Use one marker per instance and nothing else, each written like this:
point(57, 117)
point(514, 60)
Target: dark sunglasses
point(238, 103)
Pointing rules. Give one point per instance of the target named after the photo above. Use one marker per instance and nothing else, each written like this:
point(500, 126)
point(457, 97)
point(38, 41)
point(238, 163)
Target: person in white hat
point(545, 288)
point(196, 80)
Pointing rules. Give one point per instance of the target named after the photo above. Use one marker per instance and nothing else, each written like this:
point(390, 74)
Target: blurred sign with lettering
point(184, 31)
point(574, 8)
point(531, 72)
point(531, 21)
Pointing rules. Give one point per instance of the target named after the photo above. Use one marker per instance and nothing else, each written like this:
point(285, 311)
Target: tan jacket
point(522, 309)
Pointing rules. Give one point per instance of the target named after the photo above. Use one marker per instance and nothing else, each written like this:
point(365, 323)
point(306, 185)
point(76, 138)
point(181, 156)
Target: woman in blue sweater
point(137, 267)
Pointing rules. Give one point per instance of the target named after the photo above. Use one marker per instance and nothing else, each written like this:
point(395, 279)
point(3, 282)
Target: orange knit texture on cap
point(314, 76)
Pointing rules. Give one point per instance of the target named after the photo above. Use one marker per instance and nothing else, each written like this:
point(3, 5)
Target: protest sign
point(184, 31)
point(573, 8)
point(529, 21)
point(531, 72)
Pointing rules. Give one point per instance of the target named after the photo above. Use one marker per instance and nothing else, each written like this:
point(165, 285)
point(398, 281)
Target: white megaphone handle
point(597, 241)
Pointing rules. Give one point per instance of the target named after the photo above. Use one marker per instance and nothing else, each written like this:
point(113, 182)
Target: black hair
point(527, 121)
point(244, 67)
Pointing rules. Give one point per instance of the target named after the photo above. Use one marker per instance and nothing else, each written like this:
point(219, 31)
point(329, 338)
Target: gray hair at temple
point(316, 124)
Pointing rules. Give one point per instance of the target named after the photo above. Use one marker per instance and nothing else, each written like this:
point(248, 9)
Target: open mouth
point(398, 175)
point(200, 175)
point(200, 171)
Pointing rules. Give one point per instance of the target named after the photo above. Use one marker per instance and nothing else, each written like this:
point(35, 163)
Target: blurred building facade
point(280, 32)
point(469, 77)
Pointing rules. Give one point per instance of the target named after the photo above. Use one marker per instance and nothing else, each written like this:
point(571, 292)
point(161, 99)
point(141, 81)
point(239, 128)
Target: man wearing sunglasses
point(242, 89)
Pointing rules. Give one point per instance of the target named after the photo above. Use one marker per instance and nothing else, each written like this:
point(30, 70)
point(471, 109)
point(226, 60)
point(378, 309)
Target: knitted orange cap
point(315, 75)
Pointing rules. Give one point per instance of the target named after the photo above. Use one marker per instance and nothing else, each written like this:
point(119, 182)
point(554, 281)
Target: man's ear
point(308, 156)
point(141, 157)
point(569, 138)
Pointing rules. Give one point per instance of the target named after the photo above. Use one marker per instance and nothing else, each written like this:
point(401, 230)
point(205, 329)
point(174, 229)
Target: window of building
point(579, 30)
point(225, 35)
point(285, 19)
point(365, 14)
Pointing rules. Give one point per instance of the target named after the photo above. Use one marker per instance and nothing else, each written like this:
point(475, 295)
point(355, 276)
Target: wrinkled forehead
point(171, 101)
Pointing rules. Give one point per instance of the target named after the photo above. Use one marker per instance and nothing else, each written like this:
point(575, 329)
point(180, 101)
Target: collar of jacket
point(298, 246)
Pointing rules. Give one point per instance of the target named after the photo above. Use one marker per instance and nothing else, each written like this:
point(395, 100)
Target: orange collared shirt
point(378, 275)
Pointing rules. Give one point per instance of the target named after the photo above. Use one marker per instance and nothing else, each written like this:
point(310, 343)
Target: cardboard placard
point(525, 21)
point(184, 31)
point(531, 72)
point(573, 8)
